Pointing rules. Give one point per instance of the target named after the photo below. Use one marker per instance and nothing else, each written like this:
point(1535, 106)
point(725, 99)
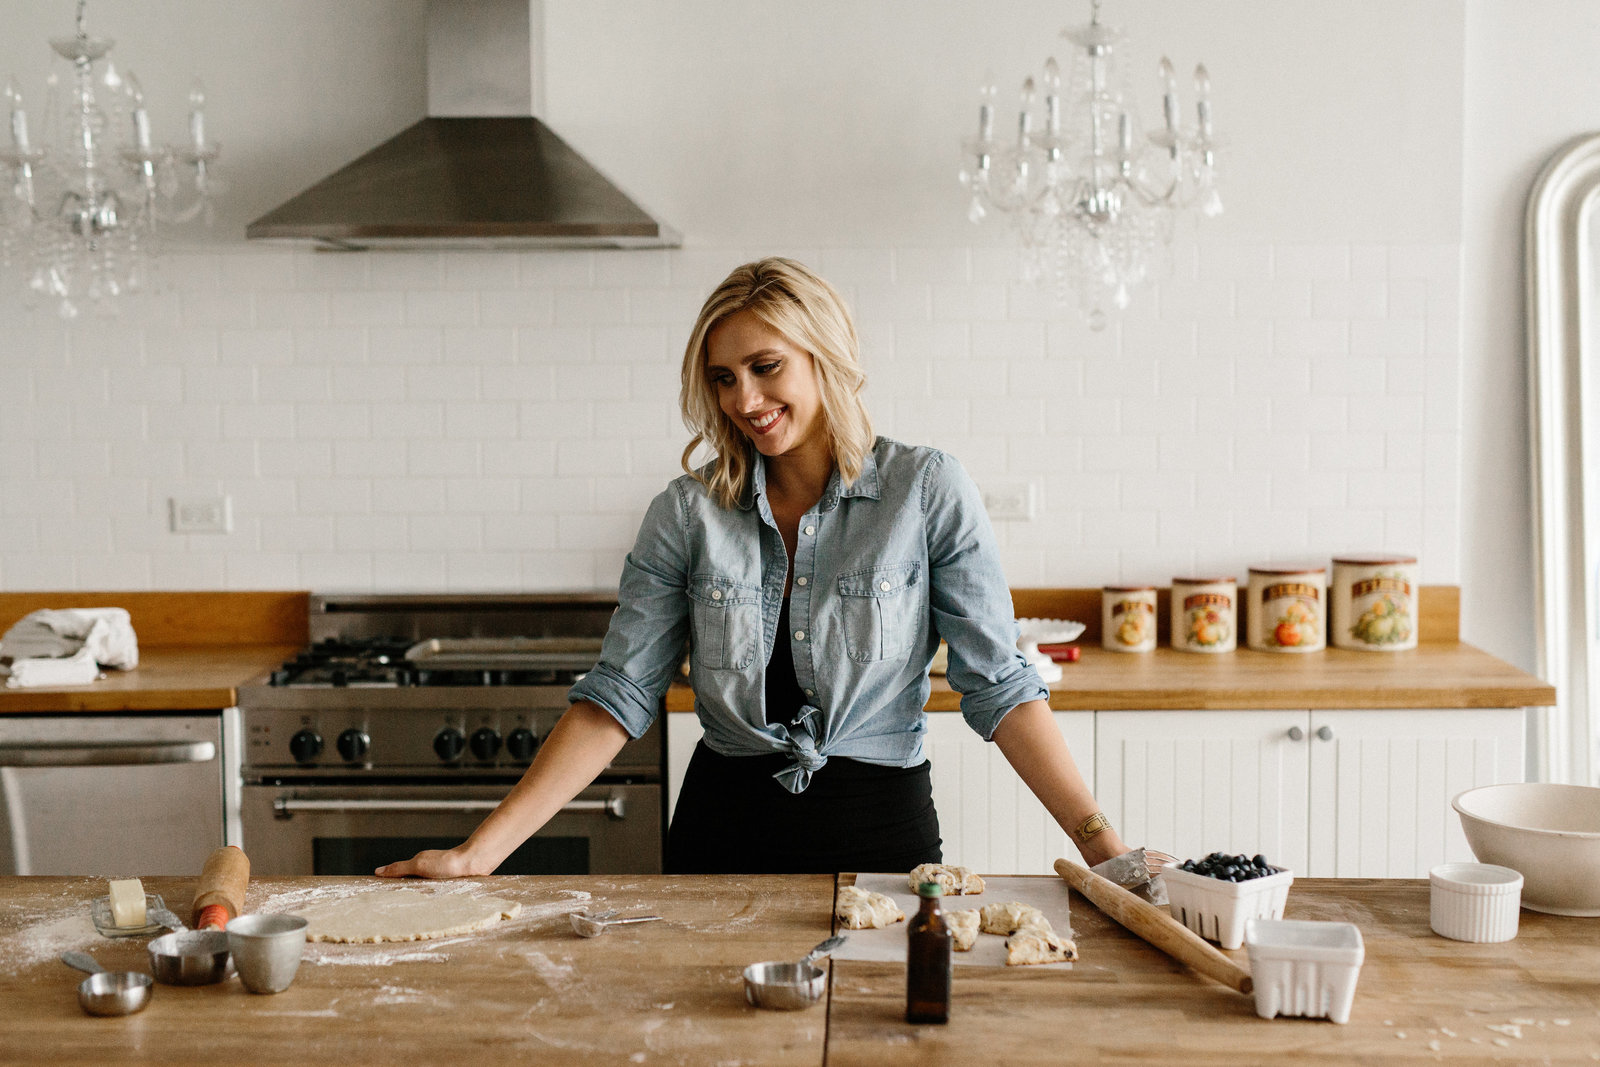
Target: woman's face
point(766, 385)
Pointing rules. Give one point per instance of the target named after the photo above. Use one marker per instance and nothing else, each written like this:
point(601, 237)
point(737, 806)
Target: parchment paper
point(1049, 895)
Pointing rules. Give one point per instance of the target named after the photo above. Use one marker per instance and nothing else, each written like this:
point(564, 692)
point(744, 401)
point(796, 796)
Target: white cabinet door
point(1193, 782)
point(988, 818)
point(1382, 782)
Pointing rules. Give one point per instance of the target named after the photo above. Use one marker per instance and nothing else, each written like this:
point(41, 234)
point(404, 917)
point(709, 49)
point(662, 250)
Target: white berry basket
point(1217, 910)
point(1304, 968)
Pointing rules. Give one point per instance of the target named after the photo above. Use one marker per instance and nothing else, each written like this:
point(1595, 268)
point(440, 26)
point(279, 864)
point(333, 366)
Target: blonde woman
point(812, 569)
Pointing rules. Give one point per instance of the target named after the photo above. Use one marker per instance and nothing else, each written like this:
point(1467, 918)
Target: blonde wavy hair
point(811, 315)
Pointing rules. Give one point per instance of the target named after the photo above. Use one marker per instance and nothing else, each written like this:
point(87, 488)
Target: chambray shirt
point(883, 568)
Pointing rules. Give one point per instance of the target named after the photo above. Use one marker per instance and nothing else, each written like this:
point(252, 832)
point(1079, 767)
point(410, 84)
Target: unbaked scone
point(1007, 917)
point(859, 909)
point(955, 881)
point(963, 927)
point(1036, 942)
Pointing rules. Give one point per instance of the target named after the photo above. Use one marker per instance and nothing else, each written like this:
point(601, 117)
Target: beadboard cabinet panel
point(1189, 782)
point(989, 819)
point(1386, 779)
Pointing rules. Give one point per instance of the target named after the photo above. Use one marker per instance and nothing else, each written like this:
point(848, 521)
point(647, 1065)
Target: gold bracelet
point(1091, 826)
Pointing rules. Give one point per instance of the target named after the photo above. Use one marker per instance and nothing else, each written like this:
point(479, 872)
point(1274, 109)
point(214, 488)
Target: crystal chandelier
point(1093, 197)
point(79, 209)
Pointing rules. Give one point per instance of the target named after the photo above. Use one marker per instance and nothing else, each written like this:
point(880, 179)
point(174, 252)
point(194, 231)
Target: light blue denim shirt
point(883, 568)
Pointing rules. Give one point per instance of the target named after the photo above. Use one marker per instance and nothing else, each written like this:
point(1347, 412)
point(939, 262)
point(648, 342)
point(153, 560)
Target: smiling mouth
point(767, 421)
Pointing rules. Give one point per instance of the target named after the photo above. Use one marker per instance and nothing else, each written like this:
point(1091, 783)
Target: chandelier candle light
point(1093, 198)
point(79, 211)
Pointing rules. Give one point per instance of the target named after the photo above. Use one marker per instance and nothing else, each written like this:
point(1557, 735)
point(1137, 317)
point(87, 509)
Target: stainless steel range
point(409, 717)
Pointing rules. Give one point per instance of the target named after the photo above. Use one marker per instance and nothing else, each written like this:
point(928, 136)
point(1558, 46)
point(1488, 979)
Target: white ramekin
point(1474, 901)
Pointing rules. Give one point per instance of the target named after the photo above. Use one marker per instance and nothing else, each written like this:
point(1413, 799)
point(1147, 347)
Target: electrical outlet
point(1010, 501)
point(201, 514)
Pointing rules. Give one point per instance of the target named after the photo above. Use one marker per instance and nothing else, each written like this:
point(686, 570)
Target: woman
point(813, 570)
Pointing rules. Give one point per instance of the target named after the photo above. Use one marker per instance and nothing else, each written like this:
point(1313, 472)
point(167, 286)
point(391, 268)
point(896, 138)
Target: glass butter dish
point(100, 912)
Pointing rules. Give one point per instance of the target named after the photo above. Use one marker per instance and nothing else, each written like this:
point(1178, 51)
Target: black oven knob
point(305, 746)
point(353, 745)
point(448, 743)
point(485, 743)
point(520, 744)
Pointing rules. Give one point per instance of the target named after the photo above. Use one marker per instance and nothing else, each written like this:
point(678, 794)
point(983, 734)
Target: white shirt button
point(810, 530)
point(716, 594)
point(799, 635)
point(884, 585)
point(801, 580)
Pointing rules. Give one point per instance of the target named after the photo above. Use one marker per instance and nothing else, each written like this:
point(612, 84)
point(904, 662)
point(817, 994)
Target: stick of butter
point(127, 902)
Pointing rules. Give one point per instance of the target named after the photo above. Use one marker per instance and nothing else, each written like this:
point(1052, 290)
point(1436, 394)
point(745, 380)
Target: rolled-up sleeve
point(971, 602)
point(645, 642)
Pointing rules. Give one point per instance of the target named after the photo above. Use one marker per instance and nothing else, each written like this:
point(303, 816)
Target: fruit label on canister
point(1128, 619)
point(1374, 604)
point(1286, 612)
point(1204, 615)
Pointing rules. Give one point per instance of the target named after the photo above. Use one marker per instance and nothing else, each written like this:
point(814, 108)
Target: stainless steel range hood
point(482, 170)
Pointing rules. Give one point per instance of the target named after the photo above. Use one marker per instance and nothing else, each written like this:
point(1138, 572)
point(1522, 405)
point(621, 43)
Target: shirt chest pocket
point(881, 607)
point(725, 622)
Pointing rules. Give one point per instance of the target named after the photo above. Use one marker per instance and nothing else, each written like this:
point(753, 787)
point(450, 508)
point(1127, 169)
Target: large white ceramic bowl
point(1549, 833)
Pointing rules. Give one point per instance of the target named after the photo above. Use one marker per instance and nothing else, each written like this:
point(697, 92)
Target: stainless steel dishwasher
point(110, 795)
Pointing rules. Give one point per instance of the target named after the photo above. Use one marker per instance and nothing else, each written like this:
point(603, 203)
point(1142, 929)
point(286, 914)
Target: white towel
point(63, 647)
point(45, 673)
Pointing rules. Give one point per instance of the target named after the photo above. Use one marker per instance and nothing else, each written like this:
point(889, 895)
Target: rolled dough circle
point(403, 915)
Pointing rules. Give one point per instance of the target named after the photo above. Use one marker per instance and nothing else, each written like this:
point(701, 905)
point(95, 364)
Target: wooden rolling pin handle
point(219, 895)
point(1155, 926)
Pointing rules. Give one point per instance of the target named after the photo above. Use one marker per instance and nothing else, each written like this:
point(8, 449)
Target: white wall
point(1532, 86)
point(467, 421)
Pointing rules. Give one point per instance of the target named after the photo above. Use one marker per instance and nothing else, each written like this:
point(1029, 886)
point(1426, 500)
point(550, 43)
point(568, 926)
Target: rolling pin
point(1155, 926)
point(219, 895)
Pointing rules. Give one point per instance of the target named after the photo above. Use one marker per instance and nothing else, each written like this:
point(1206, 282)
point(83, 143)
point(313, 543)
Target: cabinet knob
point(1296, 734)
point(1325, 733)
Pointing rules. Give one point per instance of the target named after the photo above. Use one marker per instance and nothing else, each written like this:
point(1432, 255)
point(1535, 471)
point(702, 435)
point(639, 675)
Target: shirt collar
point(865, 485)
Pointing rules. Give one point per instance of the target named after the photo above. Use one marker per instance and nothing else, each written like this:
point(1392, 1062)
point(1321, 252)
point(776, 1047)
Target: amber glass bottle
point(928, 944)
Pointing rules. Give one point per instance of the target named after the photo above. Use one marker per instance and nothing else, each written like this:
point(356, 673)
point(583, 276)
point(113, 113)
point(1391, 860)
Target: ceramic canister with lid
point(1287, 608)
point(1204, 614)
point(1128, 618)
point(1372, 602)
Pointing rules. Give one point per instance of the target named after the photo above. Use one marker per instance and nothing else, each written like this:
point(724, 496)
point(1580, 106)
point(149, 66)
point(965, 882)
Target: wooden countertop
point(168, 678)
point(671, 991)
point(1419, 998)
point(1441, 675)
point(195, 649)
point(529, 991)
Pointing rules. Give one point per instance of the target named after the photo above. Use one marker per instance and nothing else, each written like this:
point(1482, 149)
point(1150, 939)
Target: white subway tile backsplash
point(491, 420)
point(1311, 263)
point(591, 307)
point(639, 269)
point(294, 459)
point(482, 495)
point(438, 307)
point(479, 270)
point(443, 383)
point(483, 419)
point(471, 346)
point(548, 269)
point(367, 307)
point(407, 345)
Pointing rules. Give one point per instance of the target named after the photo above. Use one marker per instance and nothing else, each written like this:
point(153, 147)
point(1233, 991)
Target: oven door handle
point(107, 754)
point(286, 807)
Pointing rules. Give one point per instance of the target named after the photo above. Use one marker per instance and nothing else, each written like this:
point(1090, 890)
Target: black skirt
point(733, 817)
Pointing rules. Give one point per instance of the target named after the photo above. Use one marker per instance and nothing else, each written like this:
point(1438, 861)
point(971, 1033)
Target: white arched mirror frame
point(1563, 253)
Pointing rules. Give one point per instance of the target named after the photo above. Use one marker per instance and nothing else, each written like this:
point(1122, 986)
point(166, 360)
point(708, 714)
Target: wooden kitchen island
point(531, 991)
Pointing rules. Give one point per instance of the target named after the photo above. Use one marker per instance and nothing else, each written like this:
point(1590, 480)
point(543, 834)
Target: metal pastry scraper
point(1138, 871)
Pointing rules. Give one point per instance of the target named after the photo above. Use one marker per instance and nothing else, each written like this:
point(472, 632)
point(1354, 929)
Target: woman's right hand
point(431, 863)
